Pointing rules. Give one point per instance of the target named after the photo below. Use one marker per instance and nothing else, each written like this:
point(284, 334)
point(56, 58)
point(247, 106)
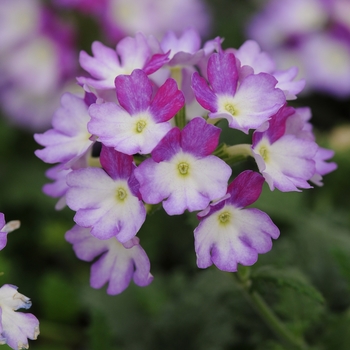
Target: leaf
point(287, 278)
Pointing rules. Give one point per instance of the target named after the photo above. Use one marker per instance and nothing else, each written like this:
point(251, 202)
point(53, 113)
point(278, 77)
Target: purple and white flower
point(117, 262)
point(182, 172)
point(250, 54)
point(130, 53)
point(6, 228)
point(285, 160)
point(230, 234)
point(69, 139)
point(16, 327)
point(107, 200)
point(140, 122)
point(246, 103)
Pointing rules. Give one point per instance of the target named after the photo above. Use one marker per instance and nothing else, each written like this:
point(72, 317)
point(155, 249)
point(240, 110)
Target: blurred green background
point(305, 278)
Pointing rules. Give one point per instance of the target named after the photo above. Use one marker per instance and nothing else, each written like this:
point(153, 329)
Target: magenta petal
point(134, 91)
point(200, 138)
point(167, 102)
point(204, 95)
point(277, 123)
point(157, 61)
point(223, 73)
point(168, 146)
point(245, 189)
point(116, 164)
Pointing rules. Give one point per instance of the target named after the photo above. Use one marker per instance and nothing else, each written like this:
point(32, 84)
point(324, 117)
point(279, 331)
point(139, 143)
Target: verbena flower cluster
point(144, 134)
point(15, 327)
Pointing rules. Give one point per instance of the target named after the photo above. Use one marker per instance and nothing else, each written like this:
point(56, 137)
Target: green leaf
point(287, 278)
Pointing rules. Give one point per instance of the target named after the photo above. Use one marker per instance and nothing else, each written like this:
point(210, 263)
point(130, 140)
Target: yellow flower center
point(183, 168)
point(140, 125)
point(224, 218)
point(121, 194)
point(229, 108)
point(264, 153)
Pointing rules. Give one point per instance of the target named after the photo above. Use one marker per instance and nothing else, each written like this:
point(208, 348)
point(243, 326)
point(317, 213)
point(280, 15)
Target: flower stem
point(233, 154)
point(291, 340)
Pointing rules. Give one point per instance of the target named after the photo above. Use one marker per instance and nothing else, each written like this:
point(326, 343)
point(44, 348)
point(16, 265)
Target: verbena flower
point(107, 199)
point(6, 228)
point(131, 53)
point(16, 327)
point(141, 121)
point(69, 139)
point(246, 103)
point(284, 159)
point(117, 263)
point(230, 234)
point(182, 172)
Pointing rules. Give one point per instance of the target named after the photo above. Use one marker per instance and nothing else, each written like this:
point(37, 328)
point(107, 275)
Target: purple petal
point(245, 189)
point(117, 165)
point(277, 123)
point(200, 138)
point(134, 91)
point(157, 61)
point(167, 101)
point(223, 73)
point(204, 95)
point(168, 146)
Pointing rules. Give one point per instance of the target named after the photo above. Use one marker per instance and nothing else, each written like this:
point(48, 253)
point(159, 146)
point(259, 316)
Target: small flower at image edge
point(16, 327)
point(5, 229)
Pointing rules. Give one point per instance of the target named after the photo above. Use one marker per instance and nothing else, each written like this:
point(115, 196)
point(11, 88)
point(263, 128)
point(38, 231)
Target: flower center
point(121, 194)
point(140, 125)
point(183, 168)
point(229, 108)
point(224, 217)
point(263, 152)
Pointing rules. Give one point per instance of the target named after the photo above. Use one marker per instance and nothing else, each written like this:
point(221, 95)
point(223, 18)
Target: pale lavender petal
point(118, 263)
point(69, 137)
point(104, 66)
point(251, 55)
point(17, 327)
point(134, 52)
point(287, 84)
